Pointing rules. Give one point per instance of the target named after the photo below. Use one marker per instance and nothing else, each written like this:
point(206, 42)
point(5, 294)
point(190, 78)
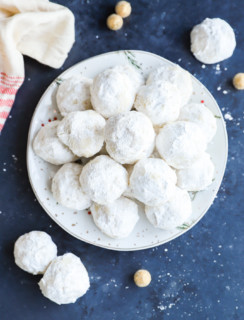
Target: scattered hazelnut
point(238, 81)
point(142, 278)
point(123, 9)
point(114, 22)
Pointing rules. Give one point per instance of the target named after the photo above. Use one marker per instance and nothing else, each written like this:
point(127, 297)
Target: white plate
point(80, 224)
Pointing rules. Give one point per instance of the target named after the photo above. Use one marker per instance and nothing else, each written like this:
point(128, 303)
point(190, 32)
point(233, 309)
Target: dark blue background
point(197, 276)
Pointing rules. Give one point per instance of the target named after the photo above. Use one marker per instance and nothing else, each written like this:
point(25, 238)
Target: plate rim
point(182, 231)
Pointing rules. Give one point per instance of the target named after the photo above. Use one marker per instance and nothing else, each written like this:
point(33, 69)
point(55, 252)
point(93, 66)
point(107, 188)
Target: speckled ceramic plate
point(80, 223)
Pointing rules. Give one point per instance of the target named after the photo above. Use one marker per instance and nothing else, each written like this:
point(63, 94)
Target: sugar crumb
point(228, 116)
point(160, 307)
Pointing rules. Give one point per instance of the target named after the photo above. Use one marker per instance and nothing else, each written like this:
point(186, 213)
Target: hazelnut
point(238, 81)
point(123, 9)
point(114, 22)
point(142, 278)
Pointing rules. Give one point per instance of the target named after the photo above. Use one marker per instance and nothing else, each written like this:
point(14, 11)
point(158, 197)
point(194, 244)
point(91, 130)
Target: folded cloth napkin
point(37, 28)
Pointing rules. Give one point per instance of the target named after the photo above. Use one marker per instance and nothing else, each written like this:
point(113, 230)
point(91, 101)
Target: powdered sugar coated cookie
point(74, 95)
point(66, 187)
point(198, 176)
point(112, 92)
point(152, 181)
point(117, 219)
point(48, 146)
point(82, 132)
point(65, 280)
point(34, 251)
point(181, 143)
point(201, 115)
point(212, 41)
point(160, 101)
point(135, 76)
point(129, 137)
point(175, 75)
point(103, 179)
point(172, 213)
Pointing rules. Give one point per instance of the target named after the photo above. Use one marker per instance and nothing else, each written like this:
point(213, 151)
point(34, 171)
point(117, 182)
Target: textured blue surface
point(197, 276)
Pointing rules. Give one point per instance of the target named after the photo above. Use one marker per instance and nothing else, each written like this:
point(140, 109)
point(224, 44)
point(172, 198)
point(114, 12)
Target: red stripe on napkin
point(7, 90)
point(7, 103)
point(10, 77)
point(4, 115)
point(9, 86)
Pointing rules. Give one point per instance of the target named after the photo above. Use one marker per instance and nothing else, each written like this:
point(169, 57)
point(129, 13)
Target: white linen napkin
point(37, 28)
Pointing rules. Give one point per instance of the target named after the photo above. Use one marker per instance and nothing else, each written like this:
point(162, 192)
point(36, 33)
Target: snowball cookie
point(34, 251)
point(212, 41)
point(103, 179)
point(82, 132)
point(160, 101)
point(175, 75)
point(152, 181)
point(112, 92)
point(198, 176)
point(135, 77)
point(74, 95)
point(181, 143)
point(172, 213)
point(201, 115)
point(65, 280)
point(129, 137)
point(66, 187)
point(117, 219)
point(48, 147)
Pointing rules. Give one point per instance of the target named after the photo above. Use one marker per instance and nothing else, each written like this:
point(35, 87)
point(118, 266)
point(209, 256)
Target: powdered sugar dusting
point(116, 219)
point(129, 137)
point(82, 132)
point(103, 179)
point(228, 116)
